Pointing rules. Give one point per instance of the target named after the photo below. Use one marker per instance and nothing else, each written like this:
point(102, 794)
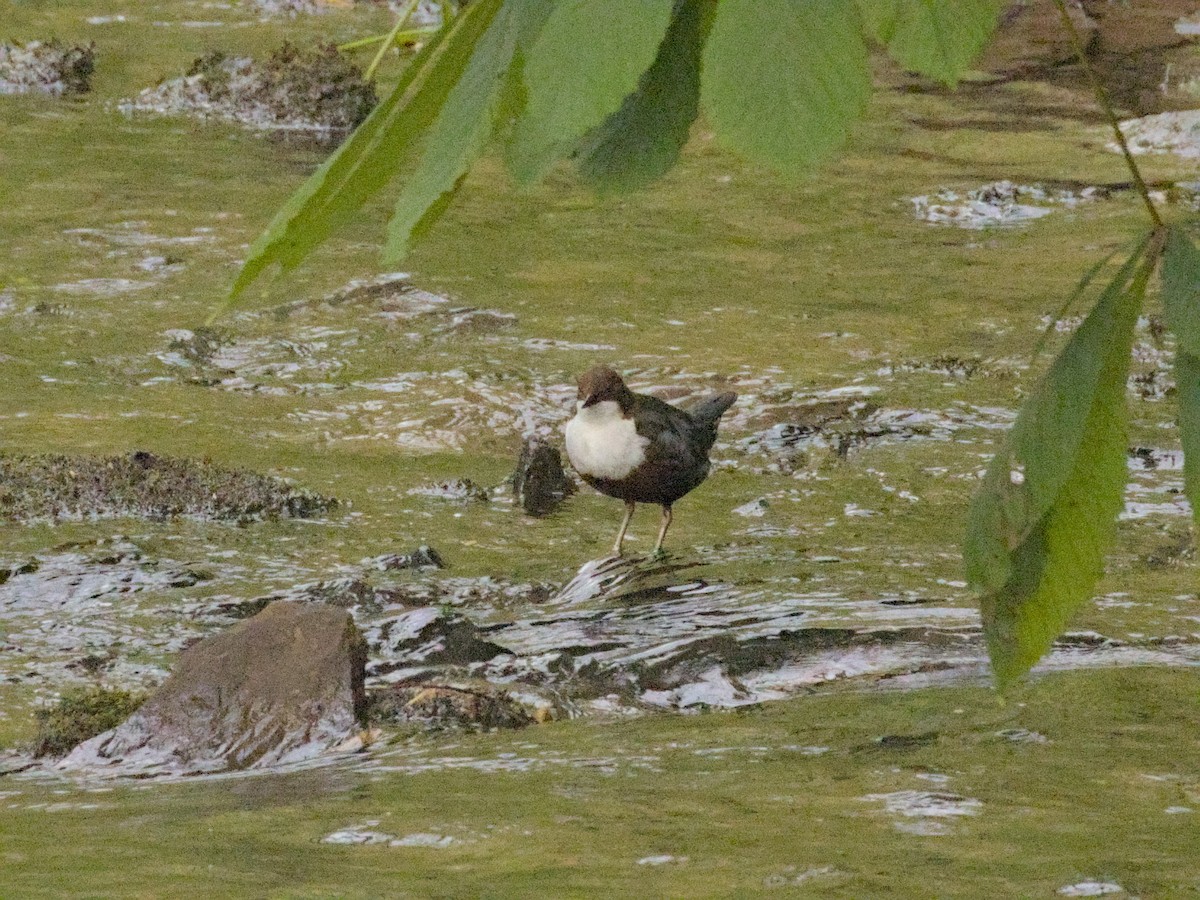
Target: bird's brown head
point(601, 383)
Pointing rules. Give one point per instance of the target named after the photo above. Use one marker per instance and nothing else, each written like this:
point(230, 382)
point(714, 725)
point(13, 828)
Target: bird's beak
point(591, 400)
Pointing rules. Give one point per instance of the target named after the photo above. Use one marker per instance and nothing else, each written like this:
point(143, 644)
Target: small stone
point(461, 490)
point(423, 839)
point(539, 482)
point(475, 321)
point(754, 509)
point(356, 834)
point(1090, 889)
point(1023, 736)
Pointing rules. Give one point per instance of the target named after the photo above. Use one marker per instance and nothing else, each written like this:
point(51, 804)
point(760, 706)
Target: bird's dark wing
point(671, 433)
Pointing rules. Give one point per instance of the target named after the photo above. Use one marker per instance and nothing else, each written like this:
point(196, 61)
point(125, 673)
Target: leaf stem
point(397, 37)
point(1106, 105)
point(401, 18)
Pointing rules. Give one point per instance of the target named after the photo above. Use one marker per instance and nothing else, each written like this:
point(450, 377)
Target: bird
point(637, 448)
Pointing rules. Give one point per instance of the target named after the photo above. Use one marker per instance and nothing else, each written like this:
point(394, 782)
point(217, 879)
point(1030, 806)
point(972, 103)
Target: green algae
point(81, 713)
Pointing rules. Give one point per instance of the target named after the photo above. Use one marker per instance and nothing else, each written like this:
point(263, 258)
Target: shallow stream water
point(878, 357)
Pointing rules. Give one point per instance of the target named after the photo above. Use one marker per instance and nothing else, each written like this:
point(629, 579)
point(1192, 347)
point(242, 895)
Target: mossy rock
point(81, 714)
point(145, 485)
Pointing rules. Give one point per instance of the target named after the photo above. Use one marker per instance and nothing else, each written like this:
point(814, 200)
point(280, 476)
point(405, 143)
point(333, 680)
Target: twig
point(398, 38)
point(1110, 113)
point(401, 18)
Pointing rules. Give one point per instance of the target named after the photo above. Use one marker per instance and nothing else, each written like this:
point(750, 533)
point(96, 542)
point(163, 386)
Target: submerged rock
point(477, 706)
point(346, 593)
point(797, 431)
point(1090, 889)
point(469, 320)
point(428, 13)
point(90, 609)
point(424, 557)
point(540, 483)
point(998, 204)
point(313, 89)
point(145, 485)
point(350, 592)
point(391, 293)
point(297, 7)
point(49, 67)
point(283, 686)
point(460, 490)
point(426, 636)
point(197, 347)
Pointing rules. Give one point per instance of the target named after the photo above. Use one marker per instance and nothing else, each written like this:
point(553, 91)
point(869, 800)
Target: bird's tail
point(707, 413)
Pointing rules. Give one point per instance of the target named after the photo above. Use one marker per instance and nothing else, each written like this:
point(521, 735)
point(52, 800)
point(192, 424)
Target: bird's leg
point(629, 507)
point(662, 532)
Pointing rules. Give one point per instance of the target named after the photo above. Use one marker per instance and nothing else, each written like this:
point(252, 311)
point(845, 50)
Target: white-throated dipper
point(637, 448)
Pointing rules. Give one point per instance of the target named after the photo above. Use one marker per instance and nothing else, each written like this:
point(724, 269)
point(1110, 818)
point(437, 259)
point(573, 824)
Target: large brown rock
point(283, 686)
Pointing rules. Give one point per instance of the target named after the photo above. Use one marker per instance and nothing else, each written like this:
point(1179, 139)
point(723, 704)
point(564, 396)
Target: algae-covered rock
point(48, 67)
point(345, 593)
point(428, 13)
point(476, 706)
point(458, 490)
point(424, 557)
point(427, 636)
point(283, 686)
point(80, 714)
point(145, 485)
point(296, 88)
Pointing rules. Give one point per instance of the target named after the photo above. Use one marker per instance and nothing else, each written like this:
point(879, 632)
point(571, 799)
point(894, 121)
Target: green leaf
point(431, 215)
point(1181, 300)
point(587, 59)
point(641, 141)
point(1181, 289)
point(466, 121)
point(938, 38)
point(369, 159)
point(1042, 520)
point(1062, 311)
point(784, 80)
point(1187, 392)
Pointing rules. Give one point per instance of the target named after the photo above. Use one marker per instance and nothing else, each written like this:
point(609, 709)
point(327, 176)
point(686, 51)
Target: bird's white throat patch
point(602, 443)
